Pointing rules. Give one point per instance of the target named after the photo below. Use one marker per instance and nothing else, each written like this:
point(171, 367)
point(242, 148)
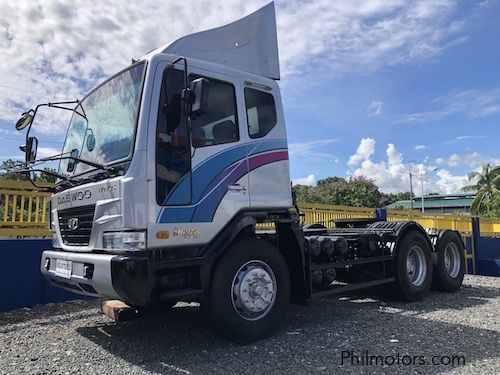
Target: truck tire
point(250, 291)
point(413, 267)
point(450, 269)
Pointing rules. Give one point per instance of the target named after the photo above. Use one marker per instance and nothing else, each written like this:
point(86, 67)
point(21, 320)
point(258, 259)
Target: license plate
point(63, 268)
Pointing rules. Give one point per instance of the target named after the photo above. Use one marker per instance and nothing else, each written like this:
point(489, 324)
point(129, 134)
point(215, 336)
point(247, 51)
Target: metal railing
point(24, 212)
point(326, 214)
point(461, 223)
point(23, 209)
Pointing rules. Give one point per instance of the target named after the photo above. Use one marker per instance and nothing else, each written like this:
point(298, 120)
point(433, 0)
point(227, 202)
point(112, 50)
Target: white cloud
point(308, 181)
point(419, 147)
point(375, 108)
point(312, 150)
point(365, 149)
point(70, 46)
point(44, 152)
point(472, 160)
point(470, 103)
point(448, 183)
point(6, 131)
point(13, 157)
point(465, 138)
point(392, 175)
point(346, 35)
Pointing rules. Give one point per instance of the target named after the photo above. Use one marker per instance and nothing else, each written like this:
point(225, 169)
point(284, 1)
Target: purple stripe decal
point(262, 159)
point(206, 209)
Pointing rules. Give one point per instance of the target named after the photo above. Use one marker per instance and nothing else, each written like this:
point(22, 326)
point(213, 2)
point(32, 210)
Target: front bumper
point(111, 276)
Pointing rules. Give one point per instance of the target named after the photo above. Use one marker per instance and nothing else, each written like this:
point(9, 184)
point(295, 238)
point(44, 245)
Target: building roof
point(437, 201)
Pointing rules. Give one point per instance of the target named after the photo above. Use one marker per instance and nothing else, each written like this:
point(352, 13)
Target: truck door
point(220, 169)
point(269, 172)
point(207, 174)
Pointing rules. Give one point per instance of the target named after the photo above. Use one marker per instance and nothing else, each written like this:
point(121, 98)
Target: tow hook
point(118, 311)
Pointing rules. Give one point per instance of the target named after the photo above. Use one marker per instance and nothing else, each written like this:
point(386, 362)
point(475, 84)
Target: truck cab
point(180, 180)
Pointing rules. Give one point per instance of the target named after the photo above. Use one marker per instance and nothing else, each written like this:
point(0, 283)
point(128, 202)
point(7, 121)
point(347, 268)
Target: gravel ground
point(75, 337)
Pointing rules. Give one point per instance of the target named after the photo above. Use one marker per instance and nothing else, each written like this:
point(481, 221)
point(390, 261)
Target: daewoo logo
point(74, 196)
point(73, 223)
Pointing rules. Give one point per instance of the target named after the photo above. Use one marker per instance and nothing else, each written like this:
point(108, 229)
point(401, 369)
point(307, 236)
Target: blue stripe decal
point(207, 170)
point(205, 210)
point(207, 175)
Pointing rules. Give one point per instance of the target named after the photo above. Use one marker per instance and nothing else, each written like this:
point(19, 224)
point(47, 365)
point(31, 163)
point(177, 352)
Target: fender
point(290, 241)
point(243, 224)
point(400, 228)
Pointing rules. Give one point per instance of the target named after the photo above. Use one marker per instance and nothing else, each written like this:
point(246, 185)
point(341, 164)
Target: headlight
point(55, 241)
point(124, 241)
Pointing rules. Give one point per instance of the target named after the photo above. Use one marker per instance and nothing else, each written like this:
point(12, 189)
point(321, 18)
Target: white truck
point(169, 166)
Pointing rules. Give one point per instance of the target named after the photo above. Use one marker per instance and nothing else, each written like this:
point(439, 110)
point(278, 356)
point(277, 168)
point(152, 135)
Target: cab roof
point(249, 44)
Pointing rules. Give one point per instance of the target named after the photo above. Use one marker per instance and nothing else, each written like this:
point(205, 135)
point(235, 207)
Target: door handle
point(236, 187)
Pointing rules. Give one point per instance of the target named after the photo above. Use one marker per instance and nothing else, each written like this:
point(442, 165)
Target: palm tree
point(487, 187)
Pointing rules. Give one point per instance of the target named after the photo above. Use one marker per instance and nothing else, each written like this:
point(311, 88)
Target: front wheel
point(413, 267)
point(250, 290)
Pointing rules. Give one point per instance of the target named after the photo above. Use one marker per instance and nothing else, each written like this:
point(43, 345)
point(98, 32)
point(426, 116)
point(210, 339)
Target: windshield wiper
point(27, 168)
point(109, 172)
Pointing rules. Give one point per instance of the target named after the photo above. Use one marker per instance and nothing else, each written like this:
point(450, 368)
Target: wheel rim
point(452, 259)
point(253, 291)
point(416, 266)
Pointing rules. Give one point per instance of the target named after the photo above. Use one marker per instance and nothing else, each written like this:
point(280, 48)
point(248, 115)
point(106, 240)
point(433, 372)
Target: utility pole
point(411, 186)
point(422, 175)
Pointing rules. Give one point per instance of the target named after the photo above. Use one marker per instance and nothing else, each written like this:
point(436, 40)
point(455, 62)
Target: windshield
point(105, 132)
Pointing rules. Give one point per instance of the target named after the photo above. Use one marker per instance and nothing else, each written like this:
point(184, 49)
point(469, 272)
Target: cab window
point(173, 152)
point(219, 124)
point(261, 112)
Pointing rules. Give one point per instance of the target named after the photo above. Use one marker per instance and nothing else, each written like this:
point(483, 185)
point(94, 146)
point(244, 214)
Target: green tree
point(494, 208)
point(7, 174)
point(487, 188)
point(395, 197)
point(357, 191)
point(44, 177)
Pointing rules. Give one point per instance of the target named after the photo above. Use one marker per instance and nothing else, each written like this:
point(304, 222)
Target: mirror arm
point(59, 106)
point(65, 156)
point(25, 169)
point(50, 173)
point(55, 105)
point(43, 189)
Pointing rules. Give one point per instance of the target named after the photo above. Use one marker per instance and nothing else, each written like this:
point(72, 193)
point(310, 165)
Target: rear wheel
point(413, 267)
point(450, 269)
point(250, 290)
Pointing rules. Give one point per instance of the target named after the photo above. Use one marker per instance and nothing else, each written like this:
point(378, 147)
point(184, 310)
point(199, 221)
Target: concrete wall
point(21, 283)
point(488, 257)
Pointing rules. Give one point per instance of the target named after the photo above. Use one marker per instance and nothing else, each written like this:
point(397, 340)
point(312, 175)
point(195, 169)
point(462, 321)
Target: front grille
point(80, 235)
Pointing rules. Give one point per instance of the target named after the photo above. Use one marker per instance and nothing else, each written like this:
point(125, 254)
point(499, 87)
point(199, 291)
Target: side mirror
point(25, 120)
point(30, 149)
point(200, 89)
point(72, 162)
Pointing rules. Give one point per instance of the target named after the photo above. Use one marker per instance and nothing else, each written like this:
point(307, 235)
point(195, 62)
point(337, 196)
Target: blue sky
point(370, 88)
